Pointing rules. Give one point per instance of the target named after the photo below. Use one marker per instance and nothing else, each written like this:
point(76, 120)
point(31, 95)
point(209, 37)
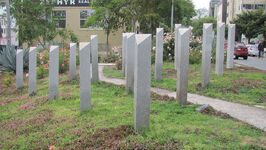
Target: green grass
point(37, 123)
point(242, 85)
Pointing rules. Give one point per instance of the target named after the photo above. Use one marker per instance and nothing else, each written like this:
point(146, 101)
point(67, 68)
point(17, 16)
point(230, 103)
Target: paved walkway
point(253, 62)
point(251, 115)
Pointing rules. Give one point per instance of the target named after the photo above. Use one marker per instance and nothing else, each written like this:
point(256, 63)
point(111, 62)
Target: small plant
point(8, 80)
point(8, 59)
point(42, 71)
point(119, 64)
point(63, 60)
point(169, 47)
point(110, 58)
point(195, 56)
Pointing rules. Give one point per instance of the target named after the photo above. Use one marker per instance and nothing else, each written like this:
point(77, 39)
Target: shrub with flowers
point(64, 60)
point(169, 47)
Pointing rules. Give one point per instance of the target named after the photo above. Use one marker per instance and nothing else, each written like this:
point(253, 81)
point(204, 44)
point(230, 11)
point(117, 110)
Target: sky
point(201, 4)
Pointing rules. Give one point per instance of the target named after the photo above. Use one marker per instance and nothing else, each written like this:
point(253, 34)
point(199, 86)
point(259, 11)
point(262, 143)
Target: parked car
point(240, 50)
point(253, 50)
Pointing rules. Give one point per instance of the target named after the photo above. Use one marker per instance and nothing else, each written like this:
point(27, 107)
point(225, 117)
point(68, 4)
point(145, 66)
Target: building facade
point(220, 11)
point(235, 7)
point(212, 11)
point(74, 13)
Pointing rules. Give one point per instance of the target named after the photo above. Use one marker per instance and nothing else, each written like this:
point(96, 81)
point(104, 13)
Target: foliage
point(35, 20)
point(106, 16)
point(8, 78)
point(110, 58)
point(251, 23)
point(198, 25)
point(195, 56)
point(67, 35)
point(63, 60)
point(8, 59)
point(42, 71)
point(169, 47)
point(119, 64)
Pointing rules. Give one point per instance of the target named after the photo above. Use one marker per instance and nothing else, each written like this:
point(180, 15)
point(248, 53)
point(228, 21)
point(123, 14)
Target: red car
point(241, 50)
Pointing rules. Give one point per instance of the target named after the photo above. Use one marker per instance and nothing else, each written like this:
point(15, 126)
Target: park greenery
point(242, 84)
point(251, 24)
point(36, 22)
point(36, 123)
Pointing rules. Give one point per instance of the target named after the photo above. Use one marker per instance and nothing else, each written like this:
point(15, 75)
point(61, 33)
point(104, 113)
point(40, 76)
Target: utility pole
point(8, 23)
point(172, 16)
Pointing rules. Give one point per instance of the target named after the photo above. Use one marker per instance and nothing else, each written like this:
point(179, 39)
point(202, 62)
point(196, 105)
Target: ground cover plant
point(242, 84)
point(37, 123)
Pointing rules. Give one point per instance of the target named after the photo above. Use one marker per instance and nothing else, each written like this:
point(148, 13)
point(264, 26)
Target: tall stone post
point(159, 54)
point(206, 53)
point(131, 40)
point(72, 61)
point(53, 72)
point(183, 65)
point(142, 81)
point(32, 70)
point(94, 57)
point(231, 45)
point(85, 76)
point(124, 53)
point(19, 69)
point(219, 65)
point(177, 27)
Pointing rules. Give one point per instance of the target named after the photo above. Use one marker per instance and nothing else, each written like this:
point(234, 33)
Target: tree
point(250, 23)
point(198, 25)
point(106, 15)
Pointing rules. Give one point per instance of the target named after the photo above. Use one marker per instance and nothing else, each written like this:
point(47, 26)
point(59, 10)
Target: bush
point(8, 59)
point(110, 58)
point(195, 56)
point(63, 60)
point(169, 47)
point(153, 55)
point(119, 64)
point(42, 71)
point(8, 80)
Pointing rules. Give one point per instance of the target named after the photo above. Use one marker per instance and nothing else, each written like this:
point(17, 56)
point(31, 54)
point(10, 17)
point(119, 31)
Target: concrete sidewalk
point(251, 115)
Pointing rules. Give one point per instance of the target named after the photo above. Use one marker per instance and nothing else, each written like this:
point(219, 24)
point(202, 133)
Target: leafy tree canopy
point(198, 25)
point(251, 23)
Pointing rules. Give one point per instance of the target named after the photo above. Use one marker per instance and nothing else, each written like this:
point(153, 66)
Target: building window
point(258, 6)
point(248, 6)
point(60, 17)
point(84, 14)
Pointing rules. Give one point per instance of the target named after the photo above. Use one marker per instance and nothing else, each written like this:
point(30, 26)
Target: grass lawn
point(242, 84)
point(37, 123)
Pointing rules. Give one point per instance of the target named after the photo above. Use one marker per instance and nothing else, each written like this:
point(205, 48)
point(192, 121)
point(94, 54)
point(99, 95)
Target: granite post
point(53, 72)
point(72, 60)
point(219, 65)
point(142, 81)
point(124, 53)
point(177, 27)
point(94, 57)
point(231, 45)
point(85, 76)
point(159, 54)
point(130, 59)
point(19, 69)
point(206, 53)
point(183, 65)
point(32, 70)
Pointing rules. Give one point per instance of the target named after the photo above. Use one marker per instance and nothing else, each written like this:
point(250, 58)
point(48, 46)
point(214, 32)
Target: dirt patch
point(247, 69)
point(170, 73)
point(155, 97)
point(7, 101)
point(105, 138)
point(211, 111)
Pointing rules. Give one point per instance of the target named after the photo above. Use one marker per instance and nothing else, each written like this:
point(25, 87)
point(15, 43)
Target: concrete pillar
point(85, 76)
point(219, 65)
point(177, 27)
point(142, 81)
point(72, 60)
point(231, 45)
point(32, 70)
point(159, 54)
point(206, 53)
point(94, 56)
point(53, 72)
point(183, 65)
point(131, 40)
point(19, 69)
point(124, 53)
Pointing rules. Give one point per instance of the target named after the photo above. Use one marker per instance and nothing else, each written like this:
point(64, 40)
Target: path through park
point(248, 114)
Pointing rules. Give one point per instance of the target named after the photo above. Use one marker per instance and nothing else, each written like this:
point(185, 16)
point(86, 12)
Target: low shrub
point(110, 58)
point(119, 64)
point(8, 78)
point(42, 71)
point(195, 56)
point(169, 47)
point(63, 60)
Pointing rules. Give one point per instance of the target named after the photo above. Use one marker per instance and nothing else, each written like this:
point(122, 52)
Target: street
point(253, 62)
